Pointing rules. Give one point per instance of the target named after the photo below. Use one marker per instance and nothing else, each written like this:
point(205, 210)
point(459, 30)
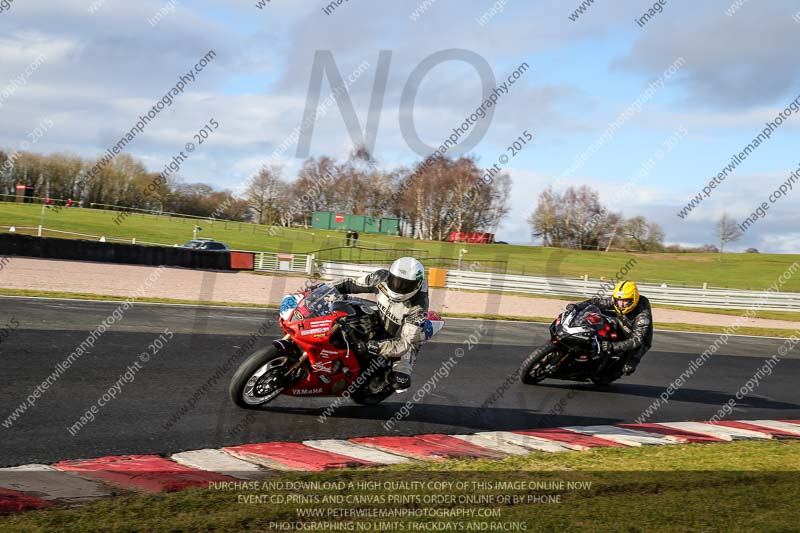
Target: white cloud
point(786, 243)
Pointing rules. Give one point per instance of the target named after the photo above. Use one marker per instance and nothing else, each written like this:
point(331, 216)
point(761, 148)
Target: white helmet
point(405, 279)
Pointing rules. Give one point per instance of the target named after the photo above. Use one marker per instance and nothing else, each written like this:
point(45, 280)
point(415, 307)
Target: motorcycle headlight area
point(579, 330)
point(288, 304)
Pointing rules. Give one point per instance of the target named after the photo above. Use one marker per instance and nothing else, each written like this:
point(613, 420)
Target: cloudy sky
point(102, 63)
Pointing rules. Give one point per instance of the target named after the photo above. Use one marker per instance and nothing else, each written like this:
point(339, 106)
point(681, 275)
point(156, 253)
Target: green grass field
point(743, 271)
point(740, 486)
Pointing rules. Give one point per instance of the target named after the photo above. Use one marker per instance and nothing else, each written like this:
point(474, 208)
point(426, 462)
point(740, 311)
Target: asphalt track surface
point(134, 422)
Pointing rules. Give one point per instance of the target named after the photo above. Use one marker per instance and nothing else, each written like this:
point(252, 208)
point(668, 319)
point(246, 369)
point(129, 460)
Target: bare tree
point(263, 194)
point(544, 219)
point(727, 231)
point(500, 201)
point(585, 218)
point(451, 195)
point(314, 189)
point(614, 239)
point(572, 219)
point(642, 235)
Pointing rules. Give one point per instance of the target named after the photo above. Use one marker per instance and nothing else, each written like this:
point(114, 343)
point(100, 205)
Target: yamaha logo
point(306, 392)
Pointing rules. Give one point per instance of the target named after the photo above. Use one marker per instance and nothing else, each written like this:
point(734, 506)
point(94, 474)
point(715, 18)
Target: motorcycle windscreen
point(320, 302)
point(590, 316)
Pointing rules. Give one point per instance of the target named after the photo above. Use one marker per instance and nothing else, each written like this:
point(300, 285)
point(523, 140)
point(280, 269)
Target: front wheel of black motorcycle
point(258, 380)
point(533, 367)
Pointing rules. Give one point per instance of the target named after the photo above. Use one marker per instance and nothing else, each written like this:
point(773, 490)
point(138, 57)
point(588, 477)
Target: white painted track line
point(526, 441)
point(628, 437)
point(721, 432)
point(495, 444)
point(357, 451)
point(777, 425)
point(220, 462)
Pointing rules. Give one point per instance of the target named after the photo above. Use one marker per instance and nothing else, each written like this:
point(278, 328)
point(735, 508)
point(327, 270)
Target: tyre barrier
point(108, 252)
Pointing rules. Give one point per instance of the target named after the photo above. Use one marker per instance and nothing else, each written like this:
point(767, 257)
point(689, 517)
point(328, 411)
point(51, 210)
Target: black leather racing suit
point(635, 327)
point(403, 322)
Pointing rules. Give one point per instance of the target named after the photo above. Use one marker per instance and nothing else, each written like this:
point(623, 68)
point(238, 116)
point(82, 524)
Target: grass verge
point(739, 486)
point(757, 313)
point(744, 330)
point(735, 270)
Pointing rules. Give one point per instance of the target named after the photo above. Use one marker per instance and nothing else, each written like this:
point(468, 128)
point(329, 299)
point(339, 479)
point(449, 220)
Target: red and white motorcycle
point(315, 357)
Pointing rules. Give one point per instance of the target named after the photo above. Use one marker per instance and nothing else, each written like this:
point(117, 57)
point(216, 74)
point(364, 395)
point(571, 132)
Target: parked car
point(209, 245)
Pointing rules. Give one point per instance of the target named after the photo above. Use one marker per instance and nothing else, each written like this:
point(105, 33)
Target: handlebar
point(341, 325)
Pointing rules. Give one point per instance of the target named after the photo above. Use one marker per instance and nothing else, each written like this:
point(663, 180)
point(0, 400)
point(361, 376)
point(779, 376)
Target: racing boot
point(400, 375)
point(631, 364)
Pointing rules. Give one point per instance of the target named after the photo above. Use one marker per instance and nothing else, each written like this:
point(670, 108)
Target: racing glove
point(606, 348)
point(368, 349)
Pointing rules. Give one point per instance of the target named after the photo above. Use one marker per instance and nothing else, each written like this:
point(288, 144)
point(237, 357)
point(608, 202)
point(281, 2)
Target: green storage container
point(372, 225)
point(338, 221)
point(359, 223)
point(321, 220)
point(389, 226)
point(356, 222)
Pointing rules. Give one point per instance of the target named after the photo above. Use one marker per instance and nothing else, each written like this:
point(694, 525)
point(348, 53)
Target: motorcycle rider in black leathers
point(402, 298)
point(635, 323)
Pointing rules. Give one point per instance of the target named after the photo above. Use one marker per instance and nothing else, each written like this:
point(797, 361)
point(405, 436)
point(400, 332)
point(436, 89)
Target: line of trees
point(122, 182)
point(575, 218)
point(439, 197)
point(446, 195)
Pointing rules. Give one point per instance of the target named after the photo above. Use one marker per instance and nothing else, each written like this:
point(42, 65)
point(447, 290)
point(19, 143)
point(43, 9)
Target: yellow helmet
point(625, 297)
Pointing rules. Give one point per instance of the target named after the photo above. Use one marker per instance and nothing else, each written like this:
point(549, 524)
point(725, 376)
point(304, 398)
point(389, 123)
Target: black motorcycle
point(573, 352)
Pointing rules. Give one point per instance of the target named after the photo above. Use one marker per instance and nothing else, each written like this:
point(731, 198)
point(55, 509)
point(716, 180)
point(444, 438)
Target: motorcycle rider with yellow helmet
point(635, 321)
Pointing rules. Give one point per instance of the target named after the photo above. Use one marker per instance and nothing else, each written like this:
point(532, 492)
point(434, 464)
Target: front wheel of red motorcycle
point(258, 380)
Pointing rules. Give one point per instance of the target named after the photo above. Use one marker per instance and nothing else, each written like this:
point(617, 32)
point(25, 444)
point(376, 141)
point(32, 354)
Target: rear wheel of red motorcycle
point(533, 366)
point(257, 380)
